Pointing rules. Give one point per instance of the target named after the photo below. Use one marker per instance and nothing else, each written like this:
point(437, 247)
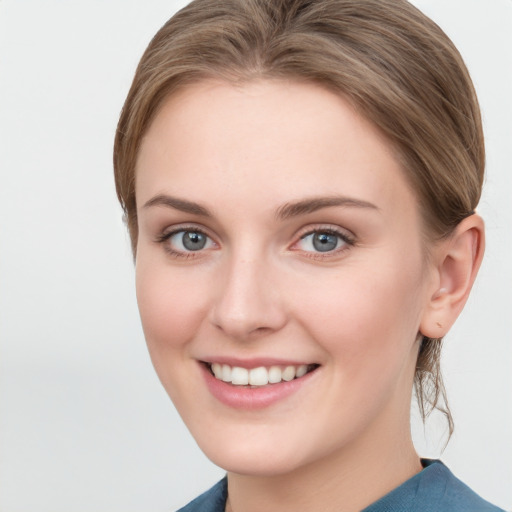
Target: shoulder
point(213, 500)
point(434, 488)
point(452, 494)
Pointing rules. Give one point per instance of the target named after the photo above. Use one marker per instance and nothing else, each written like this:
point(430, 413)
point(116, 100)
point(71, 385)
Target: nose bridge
point(248, 299)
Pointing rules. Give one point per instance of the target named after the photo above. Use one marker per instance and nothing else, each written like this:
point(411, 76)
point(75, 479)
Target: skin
point(258, 289)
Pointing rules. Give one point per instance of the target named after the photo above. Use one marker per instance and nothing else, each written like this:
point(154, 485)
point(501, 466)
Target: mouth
point(259, 377)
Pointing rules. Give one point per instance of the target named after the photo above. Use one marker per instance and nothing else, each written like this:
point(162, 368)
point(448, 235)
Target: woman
point(300, 182)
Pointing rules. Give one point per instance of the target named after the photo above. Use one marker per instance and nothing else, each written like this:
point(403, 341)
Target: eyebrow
point(284, 212)
point(178, 204)
point(317, 203)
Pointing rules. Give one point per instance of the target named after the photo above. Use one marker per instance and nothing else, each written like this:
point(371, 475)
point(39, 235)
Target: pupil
point(324, 242)
point(193, 241)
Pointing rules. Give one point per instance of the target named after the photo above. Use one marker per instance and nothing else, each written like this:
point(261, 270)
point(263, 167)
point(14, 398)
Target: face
point(281, 276)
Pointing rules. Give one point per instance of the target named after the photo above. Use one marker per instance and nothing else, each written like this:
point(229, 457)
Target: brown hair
point(395, 65)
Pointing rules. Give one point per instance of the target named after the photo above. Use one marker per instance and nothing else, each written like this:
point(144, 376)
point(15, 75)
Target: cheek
point(172, 309)
point(171, 304)
point(366, 324)
point(362, 315)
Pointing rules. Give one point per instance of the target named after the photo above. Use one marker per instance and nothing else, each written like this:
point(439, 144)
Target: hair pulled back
point(392, 63)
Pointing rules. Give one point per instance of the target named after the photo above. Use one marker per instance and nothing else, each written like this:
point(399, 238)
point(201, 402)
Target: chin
point(254, 462)
point(254, 452)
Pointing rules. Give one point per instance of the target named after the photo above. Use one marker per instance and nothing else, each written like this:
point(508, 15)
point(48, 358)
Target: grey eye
point(190, 241)
point(321, 241)
point(193, 241)
point(324, 242)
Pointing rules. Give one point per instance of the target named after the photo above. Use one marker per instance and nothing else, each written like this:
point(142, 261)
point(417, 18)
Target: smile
point(261, 376)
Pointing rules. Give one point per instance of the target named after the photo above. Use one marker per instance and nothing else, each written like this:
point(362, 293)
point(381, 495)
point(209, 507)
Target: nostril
point(261, 330)
point(246, 304)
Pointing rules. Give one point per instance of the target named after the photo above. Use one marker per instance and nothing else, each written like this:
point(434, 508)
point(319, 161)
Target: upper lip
point(254, 362)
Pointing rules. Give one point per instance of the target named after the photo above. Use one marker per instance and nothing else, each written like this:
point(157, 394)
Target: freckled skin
point(259, 290)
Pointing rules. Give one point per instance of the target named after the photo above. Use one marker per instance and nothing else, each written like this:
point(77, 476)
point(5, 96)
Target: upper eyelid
point(165, 236)
point(329, 228)
point(172, 230)
point(344, 233)
point(347, 237)
point(348, 242)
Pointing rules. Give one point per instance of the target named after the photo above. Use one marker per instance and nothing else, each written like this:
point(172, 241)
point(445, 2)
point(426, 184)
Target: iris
point(324, 242)
point(193, 241)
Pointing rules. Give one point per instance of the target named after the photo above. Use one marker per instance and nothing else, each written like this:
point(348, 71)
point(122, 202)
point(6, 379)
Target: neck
point(346, 481)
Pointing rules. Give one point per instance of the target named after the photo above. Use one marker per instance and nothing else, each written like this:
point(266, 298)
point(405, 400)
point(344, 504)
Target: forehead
point(259, 139)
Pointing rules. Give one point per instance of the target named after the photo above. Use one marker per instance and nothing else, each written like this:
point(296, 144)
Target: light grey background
point(84, 423)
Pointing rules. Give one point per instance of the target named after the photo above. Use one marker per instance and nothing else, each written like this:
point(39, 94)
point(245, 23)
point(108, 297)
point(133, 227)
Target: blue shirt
point(435, 489)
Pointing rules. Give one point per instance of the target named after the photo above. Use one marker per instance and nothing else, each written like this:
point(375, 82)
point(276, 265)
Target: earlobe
point(457, 260)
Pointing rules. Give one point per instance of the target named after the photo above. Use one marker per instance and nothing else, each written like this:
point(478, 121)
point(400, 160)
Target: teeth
point(301, 370)
point(239, 376)
point(217, 370)
point(226, 373)
point(260, 376)
point(274, 375)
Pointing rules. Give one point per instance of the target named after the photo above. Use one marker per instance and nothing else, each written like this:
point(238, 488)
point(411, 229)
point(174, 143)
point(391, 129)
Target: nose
point(248, 302)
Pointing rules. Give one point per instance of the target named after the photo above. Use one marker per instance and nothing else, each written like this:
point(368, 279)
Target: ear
point(456, 263)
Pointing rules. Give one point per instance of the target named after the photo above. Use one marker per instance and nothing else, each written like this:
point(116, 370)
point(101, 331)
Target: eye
point(189, 240)
point(323, 241)
point(185, 241)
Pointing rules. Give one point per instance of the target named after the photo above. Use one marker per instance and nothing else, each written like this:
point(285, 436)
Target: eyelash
point(166, 236)
point(347, 240)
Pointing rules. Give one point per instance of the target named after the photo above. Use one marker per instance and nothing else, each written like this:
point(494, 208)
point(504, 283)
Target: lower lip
point(241, 397)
